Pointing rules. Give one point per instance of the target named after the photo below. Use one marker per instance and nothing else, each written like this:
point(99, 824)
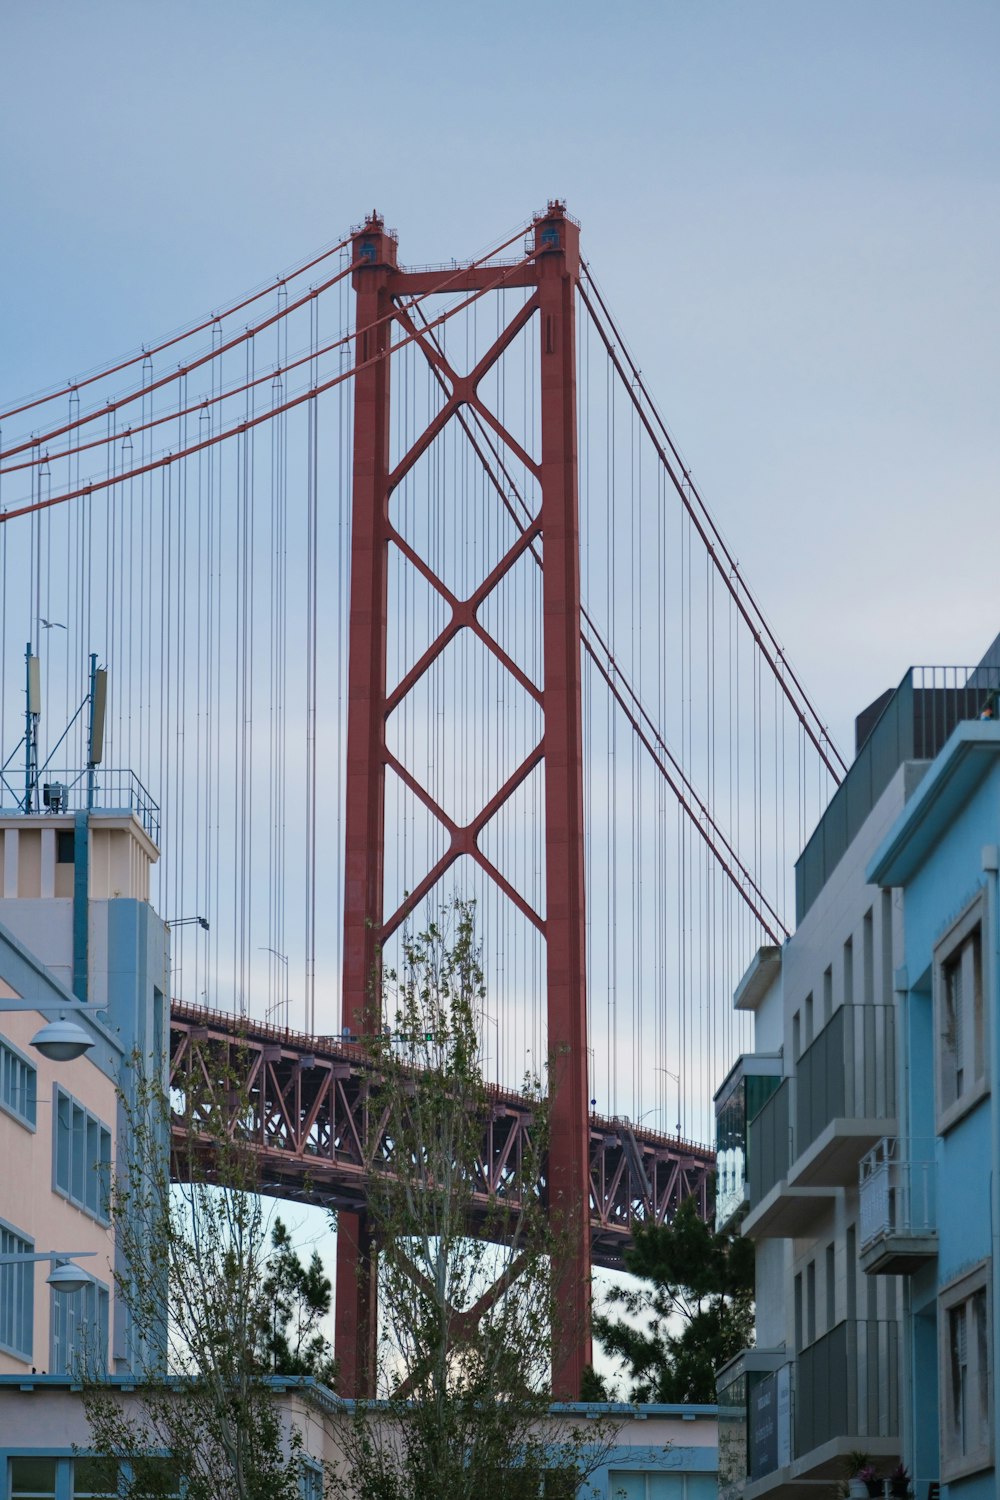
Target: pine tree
point(295, 1298)
point(691, 1313)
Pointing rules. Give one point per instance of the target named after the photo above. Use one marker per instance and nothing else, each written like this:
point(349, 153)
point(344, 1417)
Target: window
point(851, 1257)
point(79, 1324)
point(831, 1286)
point(33, 1478)
point(868, 956)
point(887, 975)
point(625, 1484)
point(964, 1343)
point(17, 1296)
point(65, 847)
point(961, 1020)
point(311, 1482)
point(82, 1156)
point(95, 1479)
point(152, 1476)
point(811, 1302)
point(18, 1090)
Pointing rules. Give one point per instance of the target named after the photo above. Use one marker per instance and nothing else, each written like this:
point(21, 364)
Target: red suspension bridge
point(405, 589)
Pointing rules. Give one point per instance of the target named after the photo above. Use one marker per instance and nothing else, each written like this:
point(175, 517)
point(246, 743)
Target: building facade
point(658, 1452)
point(805, 1121)
point(75, 924)
point(930, 1194)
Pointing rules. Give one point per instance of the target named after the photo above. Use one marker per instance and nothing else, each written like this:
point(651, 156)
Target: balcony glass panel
point(738, 1103)
point(847, 1384)
point(768, 1145)
point(849, 1072)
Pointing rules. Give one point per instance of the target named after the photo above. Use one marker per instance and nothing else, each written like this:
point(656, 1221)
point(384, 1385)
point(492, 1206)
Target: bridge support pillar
point(557, 246)
point(374, 258)
point(356, 1309)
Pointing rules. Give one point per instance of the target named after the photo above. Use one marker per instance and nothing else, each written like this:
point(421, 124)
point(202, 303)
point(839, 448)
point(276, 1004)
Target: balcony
point(847, 1398)
point(898, 1214)
point(778, 1210)
point(846, 1095)
point(841, 1395)
point(750, 1083)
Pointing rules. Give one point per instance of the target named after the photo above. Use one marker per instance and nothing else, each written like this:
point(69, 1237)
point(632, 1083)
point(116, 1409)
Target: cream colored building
point(75, 924)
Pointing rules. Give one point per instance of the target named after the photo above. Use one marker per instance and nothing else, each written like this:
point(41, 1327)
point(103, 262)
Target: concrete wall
point(658, 1452)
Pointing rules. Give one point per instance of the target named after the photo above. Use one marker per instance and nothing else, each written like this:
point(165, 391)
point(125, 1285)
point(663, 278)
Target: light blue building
point(859, 1145)
point(930, 1197)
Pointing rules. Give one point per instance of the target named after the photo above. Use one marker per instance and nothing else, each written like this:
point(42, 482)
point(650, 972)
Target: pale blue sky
point(792, 208)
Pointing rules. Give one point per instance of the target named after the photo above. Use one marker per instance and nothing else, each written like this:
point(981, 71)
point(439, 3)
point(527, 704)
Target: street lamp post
point(283, 960)
point(677, 1080)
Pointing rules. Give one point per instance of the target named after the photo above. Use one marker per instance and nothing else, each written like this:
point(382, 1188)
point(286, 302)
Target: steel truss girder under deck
point(319, 1136)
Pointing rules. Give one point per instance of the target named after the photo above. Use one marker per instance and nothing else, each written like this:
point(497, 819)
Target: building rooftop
point(913, 722)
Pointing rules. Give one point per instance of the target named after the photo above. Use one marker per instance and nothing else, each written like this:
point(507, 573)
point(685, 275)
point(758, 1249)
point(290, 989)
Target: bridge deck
point(315, 1141)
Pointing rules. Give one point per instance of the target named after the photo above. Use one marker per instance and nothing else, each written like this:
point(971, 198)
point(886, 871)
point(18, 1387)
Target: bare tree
point(198, 1276)
point(462, 1404)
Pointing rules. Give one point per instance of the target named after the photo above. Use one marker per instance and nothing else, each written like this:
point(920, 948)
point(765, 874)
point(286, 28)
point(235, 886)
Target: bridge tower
point(550, 270)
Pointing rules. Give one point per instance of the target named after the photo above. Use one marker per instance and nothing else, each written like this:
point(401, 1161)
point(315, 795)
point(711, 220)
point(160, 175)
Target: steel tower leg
point(557, 240)
point(374, 256)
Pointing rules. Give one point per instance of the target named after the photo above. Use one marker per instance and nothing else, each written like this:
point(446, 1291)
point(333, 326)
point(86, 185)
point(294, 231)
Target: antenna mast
point(32, 713)
point(95, 739)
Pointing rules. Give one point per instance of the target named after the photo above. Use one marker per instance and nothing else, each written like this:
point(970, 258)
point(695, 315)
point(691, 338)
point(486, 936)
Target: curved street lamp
point(64, 1277)
point(60, 1040)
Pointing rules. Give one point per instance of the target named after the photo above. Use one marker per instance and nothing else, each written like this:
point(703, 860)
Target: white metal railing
point(898, 1189)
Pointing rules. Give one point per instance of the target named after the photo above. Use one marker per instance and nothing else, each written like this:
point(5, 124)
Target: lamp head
point(67, 1278)
point(62, 1041)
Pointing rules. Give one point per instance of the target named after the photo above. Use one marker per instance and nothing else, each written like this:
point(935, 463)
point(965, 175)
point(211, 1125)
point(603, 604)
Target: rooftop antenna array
point(54, 792)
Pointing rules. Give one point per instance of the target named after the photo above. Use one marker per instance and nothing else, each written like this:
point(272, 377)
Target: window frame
point(27, 1118)
point(61, 1305)
point(310, 1476)
point(89, 1192)
point(58, 1471)
point(960, 1293)
point(947, 950)
point(25, 1273)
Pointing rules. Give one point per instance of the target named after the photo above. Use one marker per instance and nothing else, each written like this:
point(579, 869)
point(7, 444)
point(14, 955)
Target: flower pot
point(876, 1487)
point(899, 1488)
point(857, 1489)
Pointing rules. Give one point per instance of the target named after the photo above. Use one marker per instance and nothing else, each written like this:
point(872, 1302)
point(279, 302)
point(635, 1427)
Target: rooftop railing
point(914, 725)
point(114, 791)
